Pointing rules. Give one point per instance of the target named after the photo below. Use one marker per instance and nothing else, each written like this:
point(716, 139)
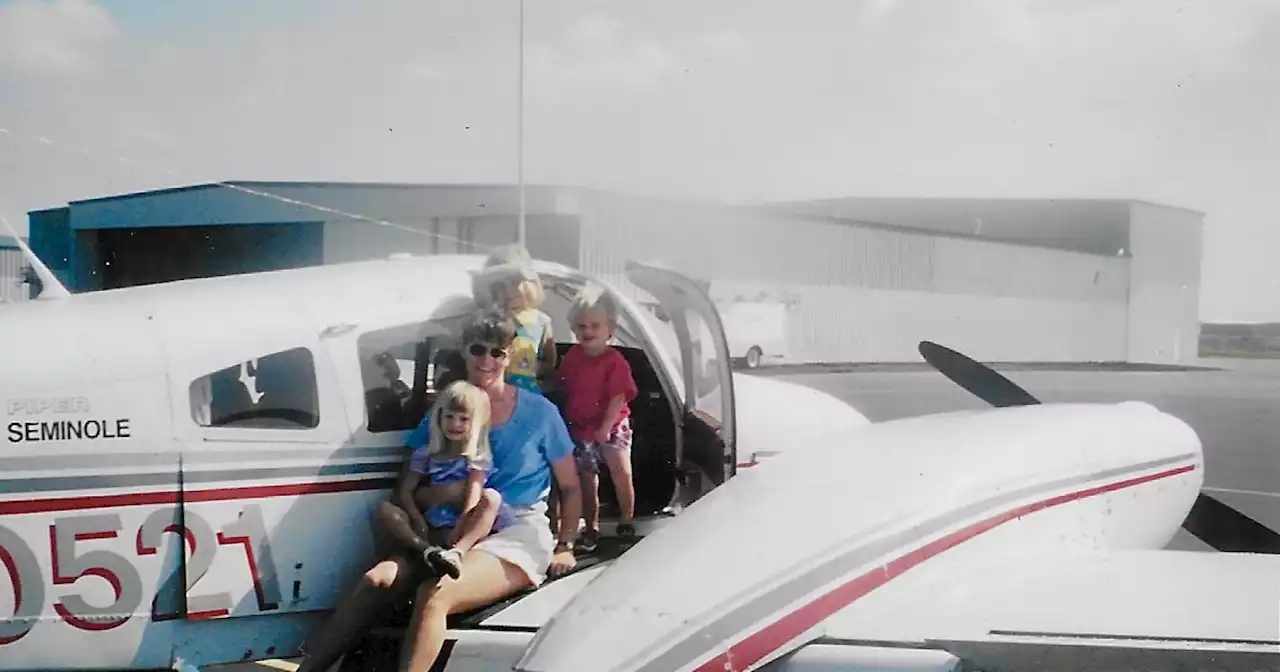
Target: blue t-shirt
point(524, 448)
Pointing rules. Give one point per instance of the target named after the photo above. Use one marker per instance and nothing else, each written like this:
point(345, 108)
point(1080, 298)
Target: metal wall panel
point(549, 237)
point(349, 240)
point(842, 324)
point(847, 324)
point(51, 238)
point(998, 269)
point(11, 285)
point(870, 294)
point(721, 242)
point(729, 244)
point(1164, 295)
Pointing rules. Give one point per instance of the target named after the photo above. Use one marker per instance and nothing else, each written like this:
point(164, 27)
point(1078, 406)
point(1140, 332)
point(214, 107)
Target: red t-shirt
point(589, 383)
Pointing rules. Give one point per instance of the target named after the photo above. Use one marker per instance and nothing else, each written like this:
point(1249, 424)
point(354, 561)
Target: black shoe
point(587, 541)
point(626, 533)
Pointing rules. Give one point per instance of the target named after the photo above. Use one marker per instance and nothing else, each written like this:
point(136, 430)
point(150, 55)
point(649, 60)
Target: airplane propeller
point(1210, 520)
point(981, 381)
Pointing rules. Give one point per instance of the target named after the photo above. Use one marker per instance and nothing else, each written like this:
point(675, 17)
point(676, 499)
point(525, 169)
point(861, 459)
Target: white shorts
point(526, 543)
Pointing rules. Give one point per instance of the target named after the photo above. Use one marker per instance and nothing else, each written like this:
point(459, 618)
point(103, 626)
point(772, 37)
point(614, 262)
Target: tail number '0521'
point(72, 559)
point(28, 594)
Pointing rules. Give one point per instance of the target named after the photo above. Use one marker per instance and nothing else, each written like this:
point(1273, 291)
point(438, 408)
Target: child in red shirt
point(598, 385)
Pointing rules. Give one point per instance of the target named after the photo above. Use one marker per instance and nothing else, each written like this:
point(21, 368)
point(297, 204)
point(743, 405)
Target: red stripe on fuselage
point(50, 504)
point(760, 645)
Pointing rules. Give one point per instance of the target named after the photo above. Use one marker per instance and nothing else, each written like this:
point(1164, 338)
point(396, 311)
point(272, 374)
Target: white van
point(755, 330)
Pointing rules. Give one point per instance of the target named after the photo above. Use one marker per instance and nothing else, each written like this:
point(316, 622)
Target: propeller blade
point(1228, 530)
point(978, 379)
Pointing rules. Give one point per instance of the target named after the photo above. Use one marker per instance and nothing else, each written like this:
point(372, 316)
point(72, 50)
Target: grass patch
point(1240, 354)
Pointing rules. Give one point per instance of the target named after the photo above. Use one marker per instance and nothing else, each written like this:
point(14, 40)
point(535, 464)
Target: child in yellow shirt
point(508, 282)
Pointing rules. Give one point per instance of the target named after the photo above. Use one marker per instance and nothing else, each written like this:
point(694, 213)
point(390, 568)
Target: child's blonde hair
point(505, 265)
point(461, 396)
point(594, 297)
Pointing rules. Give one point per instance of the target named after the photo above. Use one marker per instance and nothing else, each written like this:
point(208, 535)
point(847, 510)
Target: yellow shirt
point(532, 327)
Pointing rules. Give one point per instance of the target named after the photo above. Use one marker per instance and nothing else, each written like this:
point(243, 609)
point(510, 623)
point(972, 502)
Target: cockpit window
point(276, 391)
point(402, 367)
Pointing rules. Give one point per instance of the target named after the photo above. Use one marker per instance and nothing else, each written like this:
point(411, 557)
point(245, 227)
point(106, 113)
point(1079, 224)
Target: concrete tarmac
point(1236, 412)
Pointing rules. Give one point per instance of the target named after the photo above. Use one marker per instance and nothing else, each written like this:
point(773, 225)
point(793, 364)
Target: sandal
point(444, 561)
point(587, 541)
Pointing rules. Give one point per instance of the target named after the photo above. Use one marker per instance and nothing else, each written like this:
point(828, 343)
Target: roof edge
point(1095, 200)
point(286, 183)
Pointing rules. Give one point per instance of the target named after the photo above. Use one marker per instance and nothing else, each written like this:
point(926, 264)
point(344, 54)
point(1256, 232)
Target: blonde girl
point(452, 452)
point(509, 284)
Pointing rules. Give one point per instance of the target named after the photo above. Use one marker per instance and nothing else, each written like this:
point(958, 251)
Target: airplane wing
point(1120, 610)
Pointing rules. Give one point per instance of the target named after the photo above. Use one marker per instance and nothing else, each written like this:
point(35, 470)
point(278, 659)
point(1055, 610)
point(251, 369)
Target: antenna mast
point(520, 230)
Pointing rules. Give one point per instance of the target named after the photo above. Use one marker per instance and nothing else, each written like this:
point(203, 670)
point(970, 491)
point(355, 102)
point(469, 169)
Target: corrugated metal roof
point(253, 184)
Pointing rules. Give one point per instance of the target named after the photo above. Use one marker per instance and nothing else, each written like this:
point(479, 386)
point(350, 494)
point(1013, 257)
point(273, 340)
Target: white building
point(860, 279)
point(12, 288)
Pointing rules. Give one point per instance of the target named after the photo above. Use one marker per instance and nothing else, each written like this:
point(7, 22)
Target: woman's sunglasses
point(479, 349)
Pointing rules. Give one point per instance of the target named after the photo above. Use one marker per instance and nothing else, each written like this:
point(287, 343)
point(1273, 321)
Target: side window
point(276, 391)
point(402, 367)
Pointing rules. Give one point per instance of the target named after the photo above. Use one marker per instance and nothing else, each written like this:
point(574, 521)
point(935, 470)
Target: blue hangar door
point(129, 257)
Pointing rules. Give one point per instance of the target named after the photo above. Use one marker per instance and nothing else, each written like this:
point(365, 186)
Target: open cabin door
point(704, 366)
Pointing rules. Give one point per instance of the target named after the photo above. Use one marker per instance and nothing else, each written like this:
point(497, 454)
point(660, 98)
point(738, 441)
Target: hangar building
point(12, 287)
point(851, 279)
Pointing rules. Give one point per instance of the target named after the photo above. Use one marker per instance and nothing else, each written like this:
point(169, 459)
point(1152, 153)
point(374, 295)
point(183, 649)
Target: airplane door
point(704, 362)
point(275, 502)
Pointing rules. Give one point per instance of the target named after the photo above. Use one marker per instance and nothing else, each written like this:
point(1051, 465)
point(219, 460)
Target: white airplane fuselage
point(832, 527)
point(110, 464)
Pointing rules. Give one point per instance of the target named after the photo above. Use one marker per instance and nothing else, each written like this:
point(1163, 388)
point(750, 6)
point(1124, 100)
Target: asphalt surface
point(1235, 410)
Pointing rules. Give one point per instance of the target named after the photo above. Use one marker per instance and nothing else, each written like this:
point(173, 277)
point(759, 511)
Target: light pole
point(520, 230)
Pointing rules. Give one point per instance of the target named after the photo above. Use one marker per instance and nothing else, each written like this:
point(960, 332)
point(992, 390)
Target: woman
point(530, 444)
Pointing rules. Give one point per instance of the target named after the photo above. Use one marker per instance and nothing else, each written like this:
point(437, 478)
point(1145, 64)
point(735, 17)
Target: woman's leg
point(394, 522)
point(355, 613)
point(485, 580)
point(377, 588)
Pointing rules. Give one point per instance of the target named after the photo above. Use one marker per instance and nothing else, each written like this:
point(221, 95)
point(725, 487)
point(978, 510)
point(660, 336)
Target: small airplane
point(190, 468)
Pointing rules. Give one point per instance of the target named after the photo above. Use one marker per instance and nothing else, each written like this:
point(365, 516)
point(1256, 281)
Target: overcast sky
point(1171, 101)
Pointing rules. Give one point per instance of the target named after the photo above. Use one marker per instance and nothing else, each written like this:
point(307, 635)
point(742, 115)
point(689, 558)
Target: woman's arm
point(557, 448)
point(565, 471)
